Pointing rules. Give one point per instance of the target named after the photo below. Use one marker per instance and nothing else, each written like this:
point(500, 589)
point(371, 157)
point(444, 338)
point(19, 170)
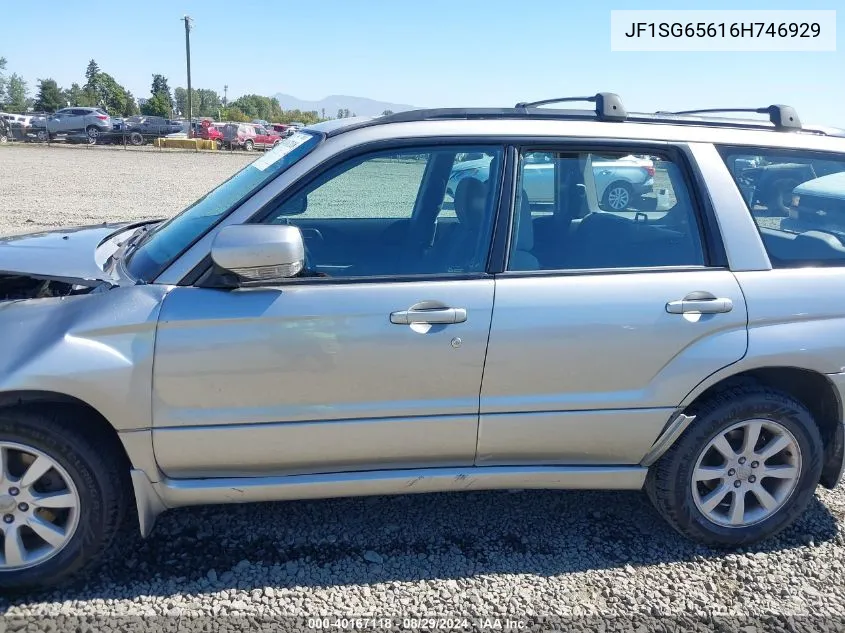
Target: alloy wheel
point(746, 473)
point(39, 507)
point(618, 198)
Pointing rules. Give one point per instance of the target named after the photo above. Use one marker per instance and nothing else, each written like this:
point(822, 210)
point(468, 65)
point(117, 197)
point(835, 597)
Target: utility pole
point(187, 20)
point(225, 95)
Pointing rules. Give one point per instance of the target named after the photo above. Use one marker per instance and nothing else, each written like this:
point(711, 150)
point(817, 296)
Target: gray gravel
point(590, 556)
point(43, 186)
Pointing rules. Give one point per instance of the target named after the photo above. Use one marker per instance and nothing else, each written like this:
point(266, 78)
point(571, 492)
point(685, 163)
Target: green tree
point(131, 106)
point(77, 96)
point(209, 102)
point(91, 73)
point(3, 80)
point(16, 93)
point(233, 113)
point(49, 97)
point(387, 113)
point(158, 105)
point(180, 97)
point(160, 85)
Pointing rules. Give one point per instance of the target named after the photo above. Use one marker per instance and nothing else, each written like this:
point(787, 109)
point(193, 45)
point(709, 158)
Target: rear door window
point(797, 200)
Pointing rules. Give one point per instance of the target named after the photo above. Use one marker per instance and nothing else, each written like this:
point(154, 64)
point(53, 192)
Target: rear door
point(594, 343)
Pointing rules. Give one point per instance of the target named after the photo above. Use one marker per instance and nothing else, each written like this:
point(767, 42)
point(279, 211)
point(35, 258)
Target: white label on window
point(282, 149)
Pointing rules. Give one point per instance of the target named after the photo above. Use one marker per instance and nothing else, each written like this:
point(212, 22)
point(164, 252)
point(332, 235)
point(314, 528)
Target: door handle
point(700, 306)
point(432, 315)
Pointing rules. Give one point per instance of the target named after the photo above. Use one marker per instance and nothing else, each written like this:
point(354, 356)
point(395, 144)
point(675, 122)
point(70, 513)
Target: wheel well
point(97, 428)
point(815, 392)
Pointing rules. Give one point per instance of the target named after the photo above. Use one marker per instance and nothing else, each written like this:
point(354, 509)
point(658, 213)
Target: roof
point(609, 107)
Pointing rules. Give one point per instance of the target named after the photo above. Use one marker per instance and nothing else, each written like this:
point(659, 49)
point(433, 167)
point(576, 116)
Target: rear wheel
point(744, 470)
point(136, 139)
point(618, 196)
point(62, 496)
point(249, 146)
point(92, 132)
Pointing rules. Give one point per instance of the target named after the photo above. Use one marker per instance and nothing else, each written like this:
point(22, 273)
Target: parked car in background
point(239, 136)
point(210, 132)
point(264, 138)
point(152, 126)
point(282, 129)
point(261, 122)
point(619, 183)
point(92, 121)
point(23, 120)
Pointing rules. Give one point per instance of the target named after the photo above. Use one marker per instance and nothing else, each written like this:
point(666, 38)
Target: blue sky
point(425, 53)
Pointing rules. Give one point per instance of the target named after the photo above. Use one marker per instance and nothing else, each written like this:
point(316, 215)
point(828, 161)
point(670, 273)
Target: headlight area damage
point(17, 287)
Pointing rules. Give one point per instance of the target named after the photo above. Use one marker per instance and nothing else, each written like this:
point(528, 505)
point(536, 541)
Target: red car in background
point(264, 138)
point(209, 132)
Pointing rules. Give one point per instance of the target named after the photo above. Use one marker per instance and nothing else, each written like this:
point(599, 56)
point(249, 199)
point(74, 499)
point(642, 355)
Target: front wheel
point(62, 497)
point(744, 470)
point(42, 135)
point(136, 139)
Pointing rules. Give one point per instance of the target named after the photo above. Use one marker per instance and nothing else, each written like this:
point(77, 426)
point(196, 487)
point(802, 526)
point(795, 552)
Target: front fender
point(97, 348)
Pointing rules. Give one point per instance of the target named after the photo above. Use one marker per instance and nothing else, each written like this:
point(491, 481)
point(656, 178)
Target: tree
point(204, 102)
point(180, 96)
point(49, 97)
point(323, 112)
point(77, 96)
point(91, 73)
point(160, 85)
point(3, 80)
point(233, 113)
point(16, 93)
point(158, 105)
point(387, 113)
point(209, 102)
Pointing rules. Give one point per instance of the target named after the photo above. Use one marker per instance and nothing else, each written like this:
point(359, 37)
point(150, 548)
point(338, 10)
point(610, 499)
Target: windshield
point(158, 248)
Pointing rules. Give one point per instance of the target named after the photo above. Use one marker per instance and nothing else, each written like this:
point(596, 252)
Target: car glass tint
point(797, 200)
point(169, 239)
point(581, 211)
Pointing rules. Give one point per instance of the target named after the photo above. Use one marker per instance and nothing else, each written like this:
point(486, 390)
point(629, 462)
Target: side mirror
point(259, 253)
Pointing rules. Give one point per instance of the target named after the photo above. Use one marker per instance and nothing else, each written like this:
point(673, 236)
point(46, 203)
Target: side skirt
point(153, 498)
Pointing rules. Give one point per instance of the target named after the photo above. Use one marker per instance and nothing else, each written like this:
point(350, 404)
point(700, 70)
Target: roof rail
point(608, 105)
point(783, 117)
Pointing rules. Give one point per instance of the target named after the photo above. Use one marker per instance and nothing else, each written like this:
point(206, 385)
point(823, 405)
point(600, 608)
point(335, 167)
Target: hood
point(76, 255)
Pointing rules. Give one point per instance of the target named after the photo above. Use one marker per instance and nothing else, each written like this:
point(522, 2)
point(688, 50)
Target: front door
point(373, 362)
point(598, 336)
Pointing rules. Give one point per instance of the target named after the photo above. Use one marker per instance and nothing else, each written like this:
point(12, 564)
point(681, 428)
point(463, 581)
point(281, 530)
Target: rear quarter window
point(797, 200)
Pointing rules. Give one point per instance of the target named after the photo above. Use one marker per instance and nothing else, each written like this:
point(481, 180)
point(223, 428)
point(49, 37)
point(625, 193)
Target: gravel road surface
point(597, 558)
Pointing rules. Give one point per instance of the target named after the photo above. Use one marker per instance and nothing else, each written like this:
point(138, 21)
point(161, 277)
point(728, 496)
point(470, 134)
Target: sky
point(420, 52)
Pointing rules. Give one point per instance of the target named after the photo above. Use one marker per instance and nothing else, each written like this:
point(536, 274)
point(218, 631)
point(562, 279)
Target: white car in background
point(620, 182)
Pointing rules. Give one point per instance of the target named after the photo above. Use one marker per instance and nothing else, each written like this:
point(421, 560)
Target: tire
point(618, 196)
point(249, 146)
point(92, 132)
point(219, 144)
point(679, 499)
point(3, 139)
point(136, 139)
point(42, 135)
point(99, 477)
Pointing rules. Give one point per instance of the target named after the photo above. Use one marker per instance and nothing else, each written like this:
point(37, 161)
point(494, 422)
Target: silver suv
point(92, 121)
point(331, 321)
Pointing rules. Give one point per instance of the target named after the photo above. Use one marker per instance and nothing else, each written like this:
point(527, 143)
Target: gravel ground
point(42, 187)
point(599, 559)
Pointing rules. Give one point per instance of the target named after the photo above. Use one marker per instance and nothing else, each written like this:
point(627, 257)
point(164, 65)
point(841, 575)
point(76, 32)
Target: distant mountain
point(358, 105)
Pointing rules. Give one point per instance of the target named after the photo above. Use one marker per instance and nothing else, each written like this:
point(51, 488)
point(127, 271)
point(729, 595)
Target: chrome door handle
point(700, 306)
point(434, 315)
